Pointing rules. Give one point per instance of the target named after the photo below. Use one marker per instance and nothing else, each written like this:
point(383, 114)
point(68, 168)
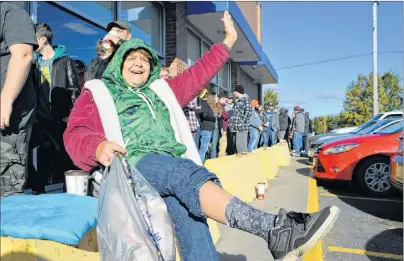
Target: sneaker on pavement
point(295, 233)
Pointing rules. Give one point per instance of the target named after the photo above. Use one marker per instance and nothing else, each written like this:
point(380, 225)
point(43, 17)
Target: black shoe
point(295, 233)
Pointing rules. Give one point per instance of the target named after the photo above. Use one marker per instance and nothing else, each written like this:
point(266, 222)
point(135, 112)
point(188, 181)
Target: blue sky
point(302, 32)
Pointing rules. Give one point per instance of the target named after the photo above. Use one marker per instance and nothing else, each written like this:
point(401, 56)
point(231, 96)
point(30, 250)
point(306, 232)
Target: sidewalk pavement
point(288, 190)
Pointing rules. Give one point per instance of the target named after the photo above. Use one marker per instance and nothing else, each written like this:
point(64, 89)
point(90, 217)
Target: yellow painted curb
point(315, 253)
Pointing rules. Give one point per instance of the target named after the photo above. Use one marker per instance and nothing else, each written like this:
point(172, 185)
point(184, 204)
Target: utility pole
point(375, 82)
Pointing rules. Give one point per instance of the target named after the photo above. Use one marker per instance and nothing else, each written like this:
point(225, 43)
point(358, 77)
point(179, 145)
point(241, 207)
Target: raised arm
point(190, 83)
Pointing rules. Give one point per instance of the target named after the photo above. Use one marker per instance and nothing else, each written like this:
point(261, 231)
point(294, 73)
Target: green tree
point(320, 125)
point(271, 96)
point(333, 122)
point(358, 103)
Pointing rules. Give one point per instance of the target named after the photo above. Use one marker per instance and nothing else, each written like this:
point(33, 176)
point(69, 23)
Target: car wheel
point(373, 176)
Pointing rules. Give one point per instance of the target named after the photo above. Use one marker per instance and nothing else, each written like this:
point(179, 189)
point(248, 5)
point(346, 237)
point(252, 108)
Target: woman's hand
point(229, 29)
point(106, 151)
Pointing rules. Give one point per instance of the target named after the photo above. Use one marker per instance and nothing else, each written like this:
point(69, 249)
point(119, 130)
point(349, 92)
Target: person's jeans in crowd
point(297, 142)
point(254, 136)
point(265, 137)
point(14, 156)
point(231, 144)
point(304, 147)
point(241, 141)
point(178, 181)
point(223, 145)
point(206, 136)
point(197, 136)
point(215, 142)
point(272, 136)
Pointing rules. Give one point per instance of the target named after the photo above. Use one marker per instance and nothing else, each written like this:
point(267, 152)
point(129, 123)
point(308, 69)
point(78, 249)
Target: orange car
point(364, 159)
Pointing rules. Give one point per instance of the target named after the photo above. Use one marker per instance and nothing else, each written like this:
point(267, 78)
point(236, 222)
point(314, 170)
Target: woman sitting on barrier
point(190, 191)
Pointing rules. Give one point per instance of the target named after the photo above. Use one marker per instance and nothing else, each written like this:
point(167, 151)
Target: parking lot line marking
point(364, 252)
point(316, 253)
point(361, 198)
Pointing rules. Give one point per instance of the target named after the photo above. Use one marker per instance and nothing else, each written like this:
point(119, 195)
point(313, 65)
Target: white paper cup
point(261, 190)
point(77, 182)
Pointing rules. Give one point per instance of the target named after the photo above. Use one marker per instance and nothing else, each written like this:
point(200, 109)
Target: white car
point(343, 130)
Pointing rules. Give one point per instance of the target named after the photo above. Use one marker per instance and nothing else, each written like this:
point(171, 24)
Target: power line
point(335, 59)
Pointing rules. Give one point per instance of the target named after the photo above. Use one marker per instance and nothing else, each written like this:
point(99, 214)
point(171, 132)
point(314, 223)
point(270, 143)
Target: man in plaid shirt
point(193, 120)
point(240, 120)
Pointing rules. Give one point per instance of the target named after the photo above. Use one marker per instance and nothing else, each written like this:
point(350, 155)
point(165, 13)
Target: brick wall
point(176, 37)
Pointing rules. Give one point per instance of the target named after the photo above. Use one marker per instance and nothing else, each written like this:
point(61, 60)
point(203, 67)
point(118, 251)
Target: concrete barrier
point(238, 175)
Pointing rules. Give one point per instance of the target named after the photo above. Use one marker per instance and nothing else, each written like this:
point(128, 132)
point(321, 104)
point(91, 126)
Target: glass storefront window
point(98, 11)
point(193, 48)
point(146, 22)
point(78, 36)
point(226, 77)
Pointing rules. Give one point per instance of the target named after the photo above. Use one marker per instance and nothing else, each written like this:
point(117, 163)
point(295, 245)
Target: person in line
point(165, 72)
point(308, 129)
point(230, 136)
point(240, 120)
point(192, 119)
point(208, 122)
point(225, 124)
point(191, 192)
point(271, 131)
point(80, 68)
point(217, 110)
point(298, 131)
point(118, 33)
point(57, 87)
point(18, 98)
point(256, 126)
point(284, 124)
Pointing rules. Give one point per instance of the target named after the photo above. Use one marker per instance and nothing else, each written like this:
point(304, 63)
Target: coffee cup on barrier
point(77, 182)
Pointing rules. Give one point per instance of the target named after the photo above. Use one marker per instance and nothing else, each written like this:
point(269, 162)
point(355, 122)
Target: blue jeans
point(265, 138)
point(297, 142)
point(272, 136)
point(178, 181)
point(197, 137)
point(215, 142)
point(205, 140)
point(254, 136)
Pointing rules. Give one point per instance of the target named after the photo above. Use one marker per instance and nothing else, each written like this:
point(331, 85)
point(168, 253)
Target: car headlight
point(340, 149)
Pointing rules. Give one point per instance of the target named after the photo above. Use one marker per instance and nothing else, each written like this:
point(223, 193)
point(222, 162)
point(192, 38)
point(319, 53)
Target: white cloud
point(80, 28)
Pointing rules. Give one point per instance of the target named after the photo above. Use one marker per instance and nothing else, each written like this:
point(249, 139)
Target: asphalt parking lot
point(368, 228)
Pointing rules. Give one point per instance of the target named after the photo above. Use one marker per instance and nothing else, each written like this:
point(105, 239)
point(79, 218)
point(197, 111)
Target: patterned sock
point(246, 218)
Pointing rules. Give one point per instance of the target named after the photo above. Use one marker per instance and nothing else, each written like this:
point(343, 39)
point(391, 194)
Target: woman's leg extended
point(195, 241)
point(289, 234)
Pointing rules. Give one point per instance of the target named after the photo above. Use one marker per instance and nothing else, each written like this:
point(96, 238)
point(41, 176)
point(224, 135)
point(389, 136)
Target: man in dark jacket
point(118, 32)
point(57, 88)
point(284, 124)
point(308, 128)
point(240, 120)
point(298, 127)
point(208, 124)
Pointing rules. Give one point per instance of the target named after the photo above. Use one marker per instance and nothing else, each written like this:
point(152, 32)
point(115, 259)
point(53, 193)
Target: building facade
point(180, 32)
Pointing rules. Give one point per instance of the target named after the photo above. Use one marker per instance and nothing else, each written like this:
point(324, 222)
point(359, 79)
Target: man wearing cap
point(298, 127)
point(240, 120)
point(272, 128)
point(118, 32)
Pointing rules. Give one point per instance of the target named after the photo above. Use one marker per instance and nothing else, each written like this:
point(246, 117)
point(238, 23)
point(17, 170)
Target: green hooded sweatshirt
point(144, 118)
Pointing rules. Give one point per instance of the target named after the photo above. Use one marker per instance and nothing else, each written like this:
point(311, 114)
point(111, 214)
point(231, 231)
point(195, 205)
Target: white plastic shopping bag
point(133, 221)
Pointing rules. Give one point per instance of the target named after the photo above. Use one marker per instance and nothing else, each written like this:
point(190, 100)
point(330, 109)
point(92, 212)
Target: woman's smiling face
point(136, 68)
